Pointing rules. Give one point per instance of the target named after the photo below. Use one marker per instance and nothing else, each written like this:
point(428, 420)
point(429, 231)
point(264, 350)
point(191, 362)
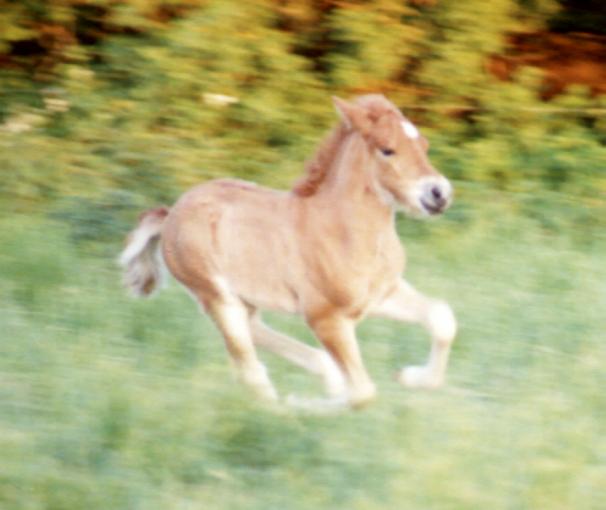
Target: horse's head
point(403, 174)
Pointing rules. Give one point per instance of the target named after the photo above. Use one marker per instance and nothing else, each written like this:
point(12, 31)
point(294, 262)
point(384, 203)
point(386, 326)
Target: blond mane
point(316, 169)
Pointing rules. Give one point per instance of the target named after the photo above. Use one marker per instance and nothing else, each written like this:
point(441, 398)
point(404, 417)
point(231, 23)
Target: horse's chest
point(386, 268)
point(366, 277)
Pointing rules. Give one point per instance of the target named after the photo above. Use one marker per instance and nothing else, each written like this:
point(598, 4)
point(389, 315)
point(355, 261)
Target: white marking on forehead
point(410, 130)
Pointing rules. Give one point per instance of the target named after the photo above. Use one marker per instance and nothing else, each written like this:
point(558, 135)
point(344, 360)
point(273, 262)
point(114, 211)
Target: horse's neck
point(349, 184)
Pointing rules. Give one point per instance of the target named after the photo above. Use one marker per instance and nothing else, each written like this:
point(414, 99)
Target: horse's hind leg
point(232, 319)
point(314, 360)
point(408, 305)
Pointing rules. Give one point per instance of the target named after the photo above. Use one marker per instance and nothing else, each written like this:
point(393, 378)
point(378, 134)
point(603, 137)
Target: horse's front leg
point(406, 304)
point(337, 334)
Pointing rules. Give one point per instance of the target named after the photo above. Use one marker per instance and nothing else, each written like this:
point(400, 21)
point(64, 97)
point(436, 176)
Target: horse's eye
point(387, 152)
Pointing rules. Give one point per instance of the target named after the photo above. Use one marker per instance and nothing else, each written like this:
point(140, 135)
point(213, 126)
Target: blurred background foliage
point(111, 105)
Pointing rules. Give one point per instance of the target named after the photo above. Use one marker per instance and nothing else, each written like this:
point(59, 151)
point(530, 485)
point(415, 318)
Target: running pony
point(327, 249)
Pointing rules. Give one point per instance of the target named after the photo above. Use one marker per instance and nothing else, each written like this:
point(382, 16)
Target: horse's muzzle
point(436, 195)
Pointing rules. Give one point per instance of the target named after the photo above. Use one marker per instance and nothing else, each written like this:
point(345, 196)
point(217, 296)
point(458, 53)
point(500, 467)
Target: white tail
point(143, 269)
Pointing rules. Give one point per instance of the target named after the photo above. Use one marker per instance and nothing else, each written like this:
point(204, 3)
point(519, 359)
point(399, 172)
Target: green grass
point(111, 403)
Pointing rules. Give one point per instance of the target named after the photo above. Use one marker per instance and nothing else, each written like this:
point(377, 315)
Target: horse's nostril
point(436, 192)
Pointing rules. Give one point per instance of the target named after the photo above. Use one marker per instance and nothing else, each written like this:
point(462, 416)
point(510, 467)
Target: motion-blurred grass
point(111, 403)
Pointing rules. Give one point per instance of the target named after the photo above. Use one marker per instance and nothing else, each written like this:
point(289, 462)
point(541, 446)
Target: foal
point(327, 250)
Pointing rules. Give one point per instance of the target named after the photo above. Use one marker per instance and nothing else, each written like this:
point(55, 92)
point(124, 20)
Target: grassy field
point(111, 403)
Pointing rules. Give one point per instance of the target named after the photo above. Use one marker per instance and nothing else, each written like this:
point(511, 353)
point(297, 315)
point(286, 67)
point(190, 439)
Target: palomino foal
point(327, 250)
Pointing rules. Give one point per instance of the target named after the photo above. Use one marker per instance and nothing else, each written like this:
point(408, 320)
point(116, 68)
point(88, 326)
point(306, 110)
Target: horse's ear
point(353, 115)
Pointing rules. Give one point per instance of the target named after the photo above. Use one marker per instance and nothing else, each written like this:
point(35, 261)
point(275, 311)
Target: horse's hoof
point(418, 377)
